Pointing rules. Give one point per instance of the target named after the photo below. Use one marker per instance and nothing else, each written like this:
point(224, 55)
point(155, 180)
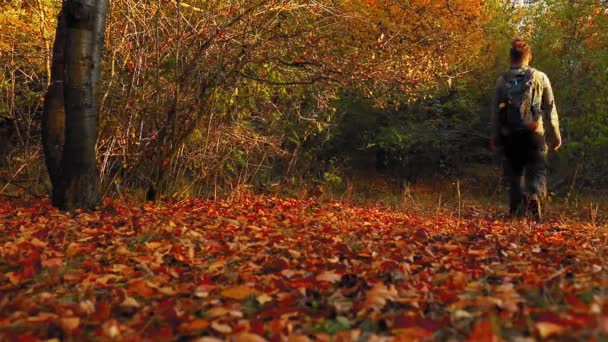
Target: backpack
point(521, 102)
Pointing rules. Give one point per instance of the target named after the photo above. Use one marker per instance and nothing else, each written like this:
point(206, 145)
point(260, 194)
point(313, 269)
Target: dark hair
point(520, 50)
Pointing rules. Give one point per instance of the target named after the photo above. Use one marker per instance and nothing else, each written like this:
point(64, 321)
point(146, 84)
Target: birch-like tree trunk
point(78, 48)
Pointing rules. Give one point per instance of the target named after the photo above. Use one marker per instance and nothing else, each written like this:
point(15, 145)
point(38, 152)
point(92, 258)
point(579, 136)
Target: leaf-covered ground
point(268, 268)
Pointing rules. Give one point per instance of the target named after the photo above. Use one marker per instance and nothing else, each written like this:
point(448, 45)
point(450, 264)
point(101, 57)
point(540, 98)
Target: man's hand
point(556, 143)
point(533, 126)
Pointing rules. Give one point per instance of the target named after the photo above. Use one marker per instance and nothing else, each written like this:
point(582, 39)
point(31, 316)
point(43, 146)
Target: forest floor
point(265, 268)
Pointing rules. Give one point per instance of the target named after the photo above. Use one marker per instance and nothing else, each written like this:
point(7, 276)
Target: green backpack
point(521, 102)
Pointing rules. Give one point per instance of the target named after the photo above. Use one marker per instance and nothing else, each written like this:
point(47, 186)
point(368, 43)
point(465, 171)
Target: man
point(524, 121)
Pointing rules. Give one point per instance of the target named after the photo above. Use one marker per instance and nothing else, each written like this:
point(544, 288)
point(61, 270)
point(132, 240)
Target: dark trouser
point(526, 162)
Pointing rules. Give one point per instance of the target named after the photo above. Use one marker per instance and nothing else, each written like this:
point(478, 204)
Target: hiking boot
point(534, 207)
point(518, 209)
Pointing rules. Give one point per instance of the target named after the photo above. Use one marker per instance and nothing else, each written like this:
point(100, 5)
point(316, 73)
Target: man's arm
point(550, 116)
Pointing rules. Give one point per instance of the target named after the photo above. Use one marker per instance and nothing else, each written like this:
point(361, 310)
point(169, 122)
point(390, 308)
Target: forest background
point(357, 97)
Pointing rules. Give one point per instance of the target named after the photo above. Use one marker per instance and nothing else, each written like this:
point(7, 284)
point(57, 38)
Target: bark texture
point(53, 113)
point(75, 175)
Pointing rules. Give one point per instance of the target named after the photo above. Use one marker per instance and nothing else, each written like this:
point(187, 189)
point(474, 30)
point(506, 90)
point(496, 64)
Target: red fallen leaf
point(483, 331)
point(549, 316)
point(31, 265)
point(27, 338)
point(257, 327)
point(421, 234)
point(576, 304)
point(389, 265)
point(604, 324)
point(178, 254)
point(169, 312)
point(403, 322)
point(274, 265)
point(102, 312)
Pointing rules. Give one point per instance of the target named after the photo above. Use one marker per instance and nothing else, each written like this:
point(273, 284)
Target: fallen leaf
point(140, 287)
point(194, 326)
point(547, 329)
point(379, 295)
point(329, 276)
point(247, 337)
point(239, 292)
point(130, 302)
point(69, 324)
point(217, 312)
point(221, 327)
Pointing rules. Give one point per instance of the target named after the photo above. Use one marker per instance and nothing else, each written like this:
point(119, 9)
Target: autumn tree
point(70, 110)
point(268, 64)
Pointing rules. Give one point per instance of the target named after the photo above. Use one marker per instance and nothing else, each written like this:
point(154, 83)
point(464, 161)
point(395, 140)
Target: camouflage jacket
point(548, 122)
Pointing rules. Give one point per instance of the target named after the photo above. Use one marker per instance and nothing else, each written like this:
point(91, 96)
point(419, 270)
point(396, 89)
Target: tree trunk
point(75, 176)
point(53, 113)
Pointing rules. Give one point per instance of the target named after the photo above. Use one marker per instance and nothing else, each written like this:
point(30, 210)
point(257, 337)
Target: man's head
point(520, 53)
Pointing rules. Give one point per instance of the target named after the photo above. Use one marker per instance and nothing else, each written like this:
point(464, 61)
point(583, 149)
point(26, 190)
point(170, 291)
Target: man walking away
point(524, 121)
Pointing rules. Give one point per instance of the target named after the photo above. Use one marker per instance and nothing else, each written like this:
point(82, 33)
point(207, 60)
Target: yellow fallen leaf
point(111, 328)
point(248, 337)
point(379, 295)
point(130, 302)
point(264, 298)
point(153, 244)
point(69, 324)
point(120, 268)
point(207, 339)
point(221, 327)
point(106, 278)
point(14, 278)
point(73, 250)
point(546, 329)
point(412, 334)
point(239, 292)
point(37, 243)
point(216, 266)
point(41, 317)
point(52, 262)
point(166, 290)
point(217, 312)
point(298, 338)
point(329, 276)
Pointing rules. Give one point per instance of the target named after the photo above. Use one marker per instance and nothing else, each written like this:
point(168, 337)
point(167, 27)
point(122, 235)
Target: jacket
point(548, 124)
